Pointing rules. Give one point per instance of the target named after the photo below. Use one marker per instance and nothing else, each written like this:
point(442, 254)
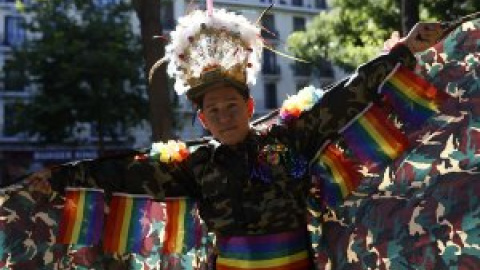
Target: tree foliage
point(83, 61)
point(352, 31)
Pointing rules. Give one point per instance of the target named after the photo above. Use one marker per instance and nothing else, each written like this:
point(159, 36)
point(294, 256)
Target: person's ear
point(201, 117)
point(250, 106)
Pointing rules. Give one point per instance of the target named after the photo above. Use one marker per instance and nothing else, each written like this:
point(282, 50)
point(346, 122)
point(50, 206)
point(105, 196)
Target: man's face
point(226, 114)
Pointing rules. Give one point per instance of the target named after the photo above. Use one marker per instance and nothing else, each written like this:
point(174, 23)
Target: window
point(325, 68)
point(268, 22)
point(321, 4)
point(14, 32)
point(269, 65)
point(297, 3)
point(302, 69)
point(167, 15)
point(298, 24)
point(300, 86)
point(270, 96)
point(14, 79)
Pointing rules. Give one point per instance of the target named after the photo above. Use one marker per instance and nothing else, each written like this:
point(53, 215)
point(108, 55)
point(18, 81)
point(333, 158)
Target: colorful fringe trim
point(182, 230)
point(374, 139)
point(413, 98)
point(125, 229)
point(304, 100)
point(288, 250)
point(338, 175)
point(82, 217)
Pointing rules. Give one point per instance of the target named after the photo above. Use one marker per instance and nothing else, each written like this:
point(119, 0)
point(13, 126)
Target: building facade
point(278, 78)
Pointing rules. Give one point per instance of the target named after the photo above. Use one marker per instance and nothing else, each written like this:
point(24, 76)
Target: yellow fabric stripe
point(78, 216)
point(180, 226)
point(122, 244)
point(386, 147)
point(406, 90)
point(263, 263)
point(337, 176)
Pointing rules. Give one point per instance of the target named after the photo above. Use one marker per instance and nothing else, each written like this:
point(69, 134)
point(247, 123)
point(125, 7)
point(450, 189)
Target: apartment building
point(279, 77)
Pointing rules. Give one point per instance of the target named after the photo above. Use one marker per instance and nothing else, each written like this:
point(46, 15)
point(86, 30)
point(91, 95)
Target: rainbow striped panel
point(374, 139)
point(82, 217)
point(282, 251)
point(337, 174)
point(125, 229)
point(182, 229)
point(413, 98)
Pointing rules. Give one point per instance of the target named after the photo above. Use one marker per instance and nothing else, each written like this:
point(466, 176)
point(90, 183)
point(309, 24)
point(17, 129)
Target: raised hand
point(423, 36)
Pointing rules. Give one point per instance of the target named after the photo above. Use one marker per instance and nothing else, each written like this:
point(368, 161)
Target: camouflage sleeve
point(130, 174)
point(345, 100)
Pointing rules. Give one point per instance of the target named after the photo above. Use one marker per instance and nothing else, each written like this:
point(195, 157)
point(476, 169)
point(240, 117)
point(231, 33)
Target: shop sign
point(64, 154)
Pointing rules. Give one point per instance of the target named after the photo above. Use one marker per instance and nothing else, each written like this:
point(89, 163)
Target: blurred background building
point(279, 77)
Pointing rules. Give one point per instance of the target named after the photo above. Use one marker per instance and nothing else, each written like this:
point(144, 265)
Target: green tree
point(352, 31)
point(84, 63)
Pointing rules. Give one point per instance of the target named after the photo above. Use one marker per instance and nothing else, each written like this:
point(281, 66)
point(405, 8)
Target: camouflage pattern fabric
point(423, 211)
point(29, 226)
point(420, 213)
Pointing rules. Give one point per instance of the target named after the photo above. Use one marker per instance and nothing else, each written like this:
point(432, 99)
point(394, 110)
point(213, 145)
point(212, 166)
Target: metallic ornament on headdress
point(208, 49)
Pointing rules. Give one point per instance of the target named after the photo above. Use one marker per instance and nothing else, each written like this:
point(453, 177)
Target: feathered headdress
point(212, 46)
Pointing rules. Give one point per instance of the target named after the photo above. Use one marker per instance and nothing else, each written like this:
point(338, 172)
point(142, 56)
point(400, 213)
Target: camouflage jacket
point(257, 187)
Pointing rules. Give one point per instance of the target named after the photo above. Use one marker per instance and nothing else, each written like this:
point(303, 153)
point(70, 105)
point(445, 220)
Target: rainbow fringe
point(82, 217)
point(282, 251)
point(182, 230)
point(125, 231)
point(413, 98)
point(339, 177)
point(373, 138)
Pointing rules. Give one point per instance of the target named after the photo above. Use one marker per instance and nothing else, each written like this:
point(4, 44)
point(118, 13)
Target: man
point(250, 184)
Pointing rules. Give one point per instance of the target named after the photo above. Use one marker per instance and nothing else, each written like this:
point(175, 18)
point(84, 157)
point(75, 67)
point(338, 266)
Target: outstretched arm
point(133, 174)
point(347, 99)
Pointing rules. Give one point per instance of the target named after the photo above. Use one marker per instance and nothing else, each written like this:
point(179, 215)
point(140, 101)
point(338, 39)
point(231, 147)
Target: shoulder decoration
point(170, 152)
point(300, 102)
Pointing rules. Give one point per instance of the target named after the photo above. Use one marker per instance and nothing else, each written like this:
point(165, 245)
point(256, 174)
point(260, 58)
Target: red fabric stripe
point(68, 218)
point(171, 228)
point(348, 166)
point(119, 222)
point(109, 231)
point(336, 156)
point(416, 84)
point(394, 137)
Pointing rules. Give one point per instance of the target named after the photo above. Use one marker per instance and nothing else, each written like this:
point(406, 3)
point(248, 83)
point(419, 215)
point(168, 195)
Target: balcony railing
point(271, 70)
point(302, 69)
point(324, 68)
